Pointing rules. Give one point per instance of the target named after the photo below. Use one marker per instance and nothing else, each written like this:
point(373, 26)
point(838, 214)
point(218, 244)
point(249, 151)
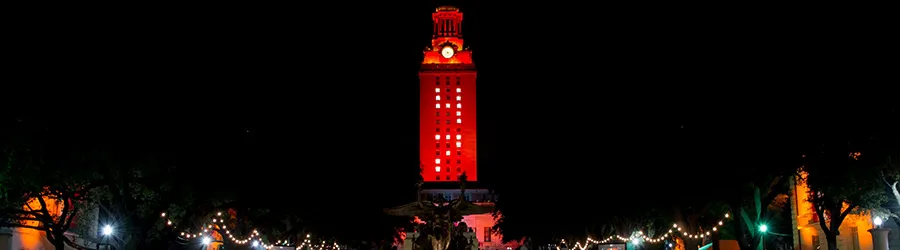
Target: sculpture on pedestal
point(440, 230)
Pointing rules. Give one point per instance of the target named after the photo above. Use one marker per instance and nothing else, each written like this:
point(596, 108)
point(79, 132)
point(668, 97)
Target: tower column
point(879, 238)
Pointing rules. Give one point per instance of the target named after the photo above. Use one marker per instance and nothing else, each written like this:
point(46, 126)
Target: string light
point(639, 236)
point(218, 225)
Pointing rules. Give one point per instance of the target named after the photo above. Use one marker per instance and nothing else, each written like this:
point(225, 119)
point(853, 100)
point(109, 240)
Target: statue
point(439, 214)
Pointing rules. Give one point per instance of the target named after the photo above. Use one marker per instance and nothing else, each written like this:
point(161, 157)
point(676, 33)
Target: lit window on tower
point(458, 121)
point(448, 152)
point(448, 105)
point(437, 106)
point(437, 98)
point(458, 144)
point(458, 90)
point(458, 105)
point(437, 161)
point(437, 169)
point(459, 98)
point(437, 137)
point(438, 90)
point(459, 137)
point(448, 137)
point(458, 113)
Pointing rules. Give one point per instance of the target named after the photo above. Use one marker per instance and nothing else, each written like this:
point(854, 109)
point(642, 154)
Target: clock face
point(447, 52)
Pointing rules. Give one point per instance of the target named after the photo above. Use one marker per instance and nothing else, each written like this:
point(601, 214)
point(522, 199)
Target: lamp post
point(879, 235)
point(107, 232)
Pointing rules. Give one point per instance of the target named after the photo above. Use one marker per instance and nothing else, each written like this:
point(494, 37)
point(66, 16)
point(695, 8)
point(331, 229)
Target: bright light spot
point(437, 169)
point(255, 243)
point(670, 244)
point(107, 230)
point(636, 241)
point(437, 90)
point(674, 225)
point(878, 221)
point(437, 98)
point(763, 228)
point(206, 240)
point(458, 90)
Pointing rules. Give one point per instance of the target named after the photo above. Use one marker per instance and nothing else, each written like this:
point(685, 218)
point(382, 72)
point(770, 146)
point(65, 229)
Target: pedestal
point(409, 241)
point(5, 238)
point(879, 238)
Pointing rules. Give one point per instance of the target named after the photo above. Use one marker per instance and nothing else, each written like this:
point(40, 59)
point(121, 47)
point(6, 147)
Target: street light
point(763, 228)
point(206, 240)
point(878, 221)
point(107, 230)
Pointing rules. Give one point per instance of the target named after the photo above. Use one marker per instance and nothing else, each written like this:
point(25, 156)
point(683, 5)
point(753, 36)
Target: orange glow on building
point(447, 127)
point(28, 238)
point(809, 234)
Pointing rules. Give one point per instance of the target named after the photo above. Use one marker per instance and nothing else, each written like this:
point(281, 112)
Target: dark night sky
point(329, 91)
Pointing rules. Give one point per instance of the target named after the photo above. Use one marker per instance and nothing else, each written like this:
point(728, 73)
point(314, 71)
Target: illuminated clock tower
point(447, 127)
point(447, 124)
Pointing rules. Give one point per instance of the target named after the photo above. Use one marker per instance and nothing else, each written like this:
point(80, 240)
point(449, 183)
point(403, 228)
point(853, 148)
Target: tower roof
point(446, 8)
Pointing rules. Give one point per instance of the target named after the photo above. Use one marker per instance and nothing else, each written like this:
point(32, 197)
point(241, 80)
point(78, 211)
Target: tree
point(46, 195)
point(841, 183)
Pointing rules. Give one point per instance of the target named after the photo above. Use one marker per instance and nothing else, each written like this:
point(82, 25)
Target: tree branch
point(19, 225)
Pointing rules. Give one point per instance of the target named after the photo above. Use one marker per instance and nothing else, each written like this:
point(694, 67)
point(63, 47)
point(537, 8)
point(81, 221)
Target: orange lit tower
point(447, 129)
point(447, 126)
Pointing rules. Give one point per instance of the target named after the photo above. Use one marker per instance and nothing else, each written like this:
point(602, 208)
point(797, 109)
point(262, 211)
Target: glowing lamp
point(670, 244)
point(107, 230)
point(206, 240)
point(255, 243)
point(636, 241)
point(878, 221)
point(763, 228)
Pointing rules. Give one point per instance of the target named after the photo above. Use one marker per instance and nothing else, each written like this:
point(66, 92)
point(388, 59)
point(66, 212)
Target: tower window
point(437, 98)
point(448, 145)
point(448, 89)
point(458, 144)
point(458, 113)
point(437, 153)
point(437, 130)
point(448, 130)
point(437, 81)
point(448, 105)
point(437, 178)
point(437, 161)
point(437, 121)
point(459, 137)
point(457, 152)
point(438, 90)
point(437, 145)
point(438, 114)
point(448, 121)
point(437, 137)
point(458, 129)
point(457, 81)
point(458, 169)
point(458, 162)
point(448, 137)
point(459, 98)
point(458, 121)
point(458, 90)
point(458, 105)
point(437, 106)
point(448, 113)
point(448, 152)
point(447, 177)
point(437, 169)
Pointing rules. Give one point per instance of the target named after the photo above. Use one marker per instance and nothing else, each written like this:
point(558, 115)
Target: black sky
point(326, 93)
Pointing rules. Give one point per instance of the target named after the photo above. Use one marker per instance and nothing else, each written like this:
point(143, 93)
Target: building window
point(458, 90)
point(448, 152)
point(437, 137)
point(458, 121)
point(458, 113)
point(448, 145)
point(459, 98)
point(447, 162)
point(437, 161)
point(448, 89)
point(459, 137)
point(437, 80)
point(487, 234)
point(458, 169)
point(458, 162)
point(437, 98)
point(438, 114)
point(458, 130)
point(437, 145)
point(448, 81)
point(458, 105)
point(437, 105)
point(457, 152)
point(447, 177)
point(437, 169)
point(437, 121)
point(448, 121)
point(457, 81)
point(448, 113)
point(437, 130)
point(448, 130)
point(458, 144)
point(437, 178)
point(448, 105)
point(437, 90)
point(448, 137)
point(437, 153)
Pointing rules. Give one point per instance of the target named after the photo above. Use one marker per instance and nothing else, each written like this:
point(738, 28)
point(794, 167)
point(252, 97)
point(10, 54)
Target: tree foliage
point(842, 180)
